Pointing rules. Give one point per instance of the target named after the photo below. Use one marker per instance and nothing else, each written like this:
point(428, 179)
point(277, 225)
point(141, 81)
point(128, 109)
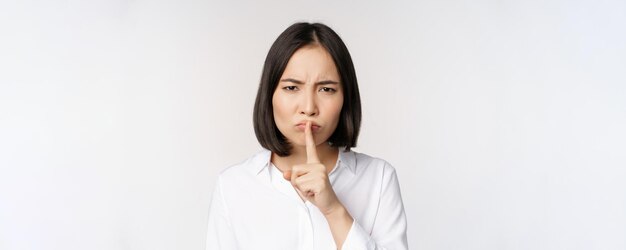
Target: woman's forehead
point(311, 63)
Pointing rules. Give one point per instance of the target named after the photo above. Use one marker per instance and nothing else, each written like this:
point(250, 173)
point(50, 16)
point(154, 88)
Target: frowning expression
point(308, 90)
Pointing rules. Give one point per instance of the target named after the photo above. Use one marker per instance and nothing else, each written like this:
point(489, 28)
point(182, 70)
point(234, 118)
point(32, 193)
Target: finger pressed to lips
point(311, 150)
point(311, 155)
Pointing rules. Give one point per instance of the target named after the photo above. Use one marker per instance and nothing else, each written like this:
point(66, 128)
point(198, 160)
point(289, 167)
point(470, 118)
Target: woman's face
point(308, 90)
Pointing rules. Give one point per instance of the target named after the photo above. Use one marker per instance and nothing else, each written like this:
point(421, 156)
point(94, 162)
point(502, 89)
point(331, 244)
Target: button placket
point(307, 234)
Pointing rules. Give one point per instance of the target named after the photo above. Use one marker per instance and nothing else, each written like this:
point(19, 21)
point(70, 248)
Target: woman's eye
point(290, 88)
point(326, 89)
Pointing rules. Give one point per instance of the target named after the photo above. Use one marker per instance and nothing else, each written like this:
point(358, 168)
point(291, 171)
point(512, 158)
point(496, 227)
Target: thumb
point(287, 175)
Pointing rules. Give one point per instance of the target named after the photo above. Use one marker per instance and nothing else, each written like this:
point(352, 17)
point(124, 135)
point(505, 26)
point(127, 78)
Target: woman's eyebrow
point(325, 82)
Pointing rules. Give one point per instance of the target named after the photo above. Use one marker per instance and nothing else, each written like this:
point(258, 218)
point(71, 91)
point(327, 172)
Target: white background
point(504, 119)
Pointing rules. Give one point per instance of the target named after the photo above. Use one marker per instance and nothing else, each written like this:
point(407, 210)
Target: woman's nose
point(308, 105)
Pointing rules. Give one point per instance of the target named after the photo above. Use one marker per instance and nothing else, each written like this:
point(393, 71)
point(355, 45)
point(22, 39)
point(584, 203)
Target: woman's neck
point(327, 154)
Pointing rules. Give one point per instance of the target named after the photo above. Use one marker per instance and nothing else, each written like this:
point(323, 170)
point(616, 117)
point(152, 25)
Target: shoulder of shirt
point(365, 161)
point(256, 160)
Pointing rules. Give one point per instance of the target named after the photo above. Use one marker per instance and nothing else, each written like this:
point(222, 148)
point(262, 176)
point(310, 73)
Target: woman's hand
point(311, 180)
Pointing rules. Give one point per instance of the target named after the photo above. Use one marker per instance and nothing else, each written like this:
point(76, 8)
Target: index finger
point(311, 150)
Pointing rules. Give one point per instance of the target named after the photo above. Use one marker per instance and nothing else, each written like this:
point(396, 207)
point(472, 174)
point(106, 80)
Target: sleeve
point(220, 235)
point(390, 226)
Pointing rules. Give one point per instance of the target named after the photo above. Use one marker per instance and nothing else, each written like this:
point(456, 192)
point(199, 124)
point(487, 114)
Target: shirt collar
point(261, 160)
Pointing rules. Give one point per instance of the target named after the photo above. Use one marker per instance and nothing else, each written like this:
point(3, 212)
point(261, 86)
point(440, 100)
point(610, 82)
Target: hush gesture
point(311, 180)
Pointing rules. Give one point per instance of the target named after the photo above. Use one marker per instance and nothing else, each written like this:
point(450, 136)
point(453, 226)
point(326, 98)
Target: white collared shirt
point(253, 207)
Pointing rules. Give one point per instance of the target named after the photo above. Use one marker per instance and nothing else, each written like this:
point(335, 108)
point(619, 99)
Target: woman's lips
point(302, 126)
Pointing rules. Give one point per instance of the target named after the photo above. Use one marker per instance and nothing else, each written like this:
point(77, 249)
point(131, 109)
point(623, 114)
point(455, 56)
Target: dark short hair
point(294, 37)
